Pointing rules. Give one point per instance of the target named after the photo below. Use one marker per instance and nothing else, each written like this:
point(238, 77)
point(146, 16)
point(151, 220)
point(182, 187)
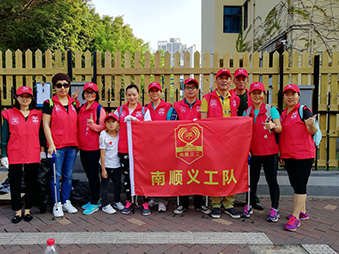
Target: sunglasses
point(60, 85)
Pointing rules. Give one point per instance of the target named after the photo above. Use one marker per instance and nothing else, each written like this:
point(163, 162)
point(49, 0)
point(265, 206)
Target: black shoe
point(16, 219)
point(28, 217)
point(232, 212)
point(216, 213)
point(258, 206)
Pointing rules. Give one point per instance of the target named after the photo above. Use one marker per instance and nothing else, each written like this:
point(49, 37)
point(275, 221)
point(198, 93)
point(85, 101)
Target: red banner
point(206, 157)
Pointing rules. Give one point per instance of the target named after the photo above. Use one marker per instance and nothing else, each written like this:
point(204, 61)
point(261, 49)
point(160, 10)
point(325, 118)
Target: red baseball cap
point(292, 87)
point(24, 89)
point(224, 71)
point(191, 80)
point(154, 84)
point(111, 115)
point(91, 85)
point(240, 72)
point(257, 86)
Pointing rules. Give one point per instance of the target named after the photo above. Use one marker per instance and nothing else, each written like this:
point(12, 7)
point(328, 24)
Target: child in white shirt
point(110, 163)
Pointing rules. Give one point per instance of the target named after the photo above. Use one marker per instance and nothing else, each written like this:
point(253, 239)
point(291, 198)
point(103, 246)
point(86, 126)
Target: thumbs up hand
point(90, 121)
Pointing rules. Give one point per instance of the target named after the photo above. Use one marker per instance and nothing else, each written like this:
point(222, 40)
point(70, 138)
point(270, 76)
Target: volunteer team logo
point(189, 142)
point(161, 111)
point(35, 119)
point(15, 120)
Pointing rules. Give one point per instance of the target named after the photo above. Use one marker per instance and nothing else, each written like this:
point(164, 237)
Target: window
point(232, 18)
point(245, 15)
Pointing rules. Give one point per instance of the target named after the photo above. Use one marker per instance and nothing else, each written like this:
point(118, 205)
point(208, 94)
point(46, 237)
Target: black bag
point(44, 177)
point(80, 193)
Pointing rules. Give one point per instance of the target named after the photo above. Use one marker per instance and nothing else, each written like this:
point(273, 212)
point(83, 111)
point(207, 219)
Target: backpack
point(51, 104)
point(317, 136)
point(268, 115)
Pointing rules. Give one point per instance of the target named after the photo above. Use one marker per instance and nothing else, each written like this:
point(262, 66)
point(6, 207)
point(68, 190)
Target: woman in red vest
point(60, 120)
point(264, 148)
point(132, 110)
point(297, 150)
point(91, 122)
point(160, 110)
point(21, 148)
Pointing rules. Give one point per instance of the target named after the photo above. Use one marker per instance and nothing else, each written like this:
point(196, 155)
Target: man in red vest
point(221, 103)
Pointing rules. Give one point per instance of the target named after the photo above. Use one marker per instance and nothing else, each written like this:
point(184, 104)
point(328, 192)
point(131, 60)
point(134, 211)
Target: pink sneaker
point(128, 208)
point(302, 216)
point(145, 209)
point(292, 224)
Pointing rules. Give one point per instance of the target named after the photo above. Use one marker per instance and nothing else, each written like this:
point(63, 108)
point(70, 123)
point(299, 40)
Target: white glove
point(4, 162)
point(42, 155)
point(130, 118)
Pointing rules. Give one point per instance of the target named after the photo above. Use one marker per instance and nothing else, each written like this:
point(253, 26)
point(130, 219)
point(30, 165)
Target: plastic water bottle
point(51, 249)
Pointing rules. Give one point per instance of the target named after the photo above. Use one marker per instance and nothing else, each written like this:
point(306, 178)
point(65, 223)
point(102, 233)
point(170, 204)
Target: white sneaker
point(57, 210)
point(162, 207)
point(68, 207)
point(109, 209)
point(118, 206)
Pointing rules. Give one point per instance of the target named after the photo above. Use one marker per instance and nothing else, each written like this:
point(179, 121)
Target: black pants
point(31, 185)
point(298, 173)
point(90, 163)
point(115, 175)
point(197, 201)
point(270, 165)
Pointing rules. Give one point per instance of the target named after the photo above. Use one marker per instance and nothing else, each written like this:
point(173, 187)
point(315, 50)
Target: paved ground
point(163, 233)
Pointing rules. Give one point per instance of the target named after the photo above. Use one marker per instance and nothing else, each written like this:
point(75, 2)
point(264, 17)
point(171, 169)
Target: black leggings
point(198, 201)
point(115, 175)
point(270, 165)
point(124, 160)
point(30, 178)
point(90, 163)
point(298, 173)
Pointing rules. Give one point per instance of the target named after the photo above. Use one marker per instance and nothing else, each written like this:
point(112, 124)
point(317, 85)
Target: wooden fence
point(113, 72)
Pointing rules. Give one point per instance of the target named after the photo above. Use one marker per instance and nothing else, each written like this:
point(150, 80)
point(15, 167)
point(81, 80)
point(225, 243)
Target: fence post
point(315, 101)
point(69, 64)
point(281, 82)
point(94, 78)
point(328, 132)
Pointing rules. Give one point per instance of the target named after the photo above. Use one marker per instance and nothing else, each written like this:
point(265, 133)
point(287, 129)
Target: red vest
point(64, 124)
point(249, 101)
point(23, 145)
point(215, 107)
point(295, 141)
point(185, 112)
point(263, 142)
point(160, 113)
point(88, 139)
point(138, 113)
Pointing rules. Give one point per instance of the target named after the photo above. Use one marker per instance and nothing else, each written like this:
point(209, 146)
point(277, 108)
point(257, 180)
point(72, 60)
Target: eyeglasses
point(190, 87)
point(89, 93)
point(60, 85)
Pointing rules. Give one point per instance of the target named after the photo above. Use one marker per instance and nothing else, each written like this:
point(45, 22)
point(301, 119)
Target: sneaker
point(145, 210)
point(203, 209)
point(118, 205)
point(99, 203)
point(257, 206)
point(274, 215)
point(247, 211)
point(216, 213)
point(91, 209)
point(86, 206)
point(292, 224)
point(109, 209)
point(128, 208)
point(57, 210)
point(179, 210)
point(302, 216)
point(162, 207)
point(68, 207)
point(232, 212)
point(153, 202)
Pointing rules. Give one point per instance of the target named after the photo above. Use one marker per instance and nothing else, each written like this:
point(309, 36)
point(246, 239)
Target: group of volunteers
point(102, 140)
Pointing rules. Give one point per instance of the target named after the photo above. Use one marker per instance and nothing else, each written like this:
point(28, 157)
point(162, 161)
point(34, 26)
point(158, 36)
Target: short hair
point(31, 106)
point(60, 76)
point(132, 86)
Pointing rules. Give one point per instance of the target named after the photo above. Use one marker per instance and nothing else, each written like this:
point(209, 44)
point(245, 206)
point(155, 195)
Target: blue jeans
point(64, 164)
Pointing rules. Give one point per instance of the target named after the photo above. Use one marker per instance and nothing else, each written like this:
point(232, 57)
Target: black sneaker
point(203, 209)
point(258, 206)
point(232, 212)
point(179, 210)
point(216, 213)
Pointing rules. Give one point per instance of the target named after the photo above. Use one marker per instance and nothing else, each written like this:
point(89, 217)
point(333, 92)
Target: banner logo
point(189, 142)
